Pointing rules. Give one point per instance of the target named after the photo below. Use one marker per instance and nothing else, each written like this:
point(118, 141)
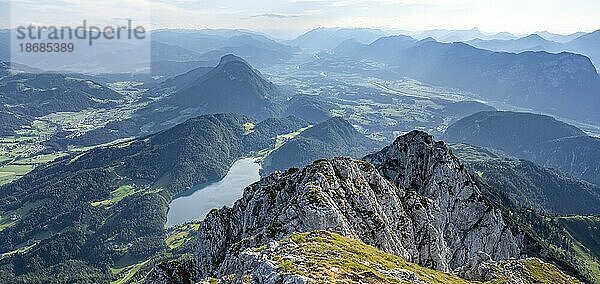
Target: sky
point(289, 18)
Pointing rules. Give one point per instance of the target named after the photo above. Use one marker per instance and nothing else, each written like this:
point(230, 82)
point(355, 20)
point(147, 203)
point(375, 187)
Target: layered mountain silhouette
point(559, 37)
point(329, 38)
point(580, 43)
point(444, 35)
point(533, 42)
point(534, 137)
point(566, 84)
point(210, 45)
point(587, 44)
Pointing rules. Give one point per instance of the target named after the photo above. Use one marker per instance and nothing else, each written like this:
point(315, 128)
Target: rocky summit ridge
point(413, 199)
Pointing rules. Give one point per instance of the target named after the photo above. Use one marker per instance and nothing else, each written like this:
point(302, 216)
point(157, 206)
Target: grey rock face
point(174, 272)
point(456, 222)
point(413, 199)
point(340, 195)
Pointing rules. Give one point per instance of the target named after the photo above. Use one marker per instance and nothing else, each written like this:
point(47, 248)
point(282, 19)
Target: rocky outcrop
point(340, 195)
point(326, 257)
point(456, 221)
point(185, 271)
point(413, 199)
point(517, 271)
point(317, 256)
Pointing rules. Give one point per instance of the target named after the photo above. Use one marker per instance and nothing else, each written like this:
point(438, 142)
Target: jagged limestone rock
point(185, 271)
point(413, 199)
point(423, 207)
point(455, 222)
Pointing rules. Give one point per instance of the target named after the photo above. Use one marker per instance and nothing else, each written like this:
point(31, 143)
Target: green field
point(117, 195)
point(127, 272)
point(181, 235)
point(7, 220)
point(279, 141)
point(248, 127)
point(17, 251)
point(12, 172)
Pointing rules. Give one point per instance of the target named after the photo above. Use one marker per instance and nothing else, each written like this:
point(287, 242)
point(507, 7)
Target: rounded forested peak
point(507, 129)
point(394, 39)
point(229, 58)
point(336, 120)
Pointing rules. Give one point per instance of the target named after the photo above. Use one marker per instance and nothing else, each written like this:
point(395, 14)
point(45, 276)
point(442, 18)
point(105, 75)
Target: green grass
point(20, 168)
point(129, 271)
point(16, 169)
point(181, 235)
point(117, 195)
point(248, 127)
point(325, 255)
point(5, 174)
point(41, 159)
point(280, 140)
point(22, 250)
point(341, 260)
point(178, 239)
point(544, 273)
point(6, 224)
point(468, 153)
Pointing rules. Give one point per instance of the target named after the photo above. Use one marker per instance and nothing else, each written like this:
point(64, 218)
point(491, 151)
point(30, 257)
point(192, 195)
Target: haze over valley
point(421, 152)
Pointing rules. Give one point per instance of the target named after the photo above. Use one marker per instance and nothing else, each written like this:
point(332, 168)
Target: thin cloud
point(275, 16)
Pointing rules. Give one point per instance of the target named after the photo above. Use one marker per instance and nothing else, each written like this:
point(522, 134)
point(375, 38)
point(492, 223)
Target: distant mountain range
point(443, 35)
point(532, 42)
point(559, 37)
point(565, 84)
point(166, 45)
point(328, 38)
point(321, 39)
point(210, 45)
point(534, 137)
point(581, 43)
point(475, 34)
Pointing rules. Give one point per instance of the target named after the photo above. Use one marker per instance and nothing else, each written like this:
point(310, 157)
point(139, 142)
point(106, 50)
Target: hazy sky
point(290, 17)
